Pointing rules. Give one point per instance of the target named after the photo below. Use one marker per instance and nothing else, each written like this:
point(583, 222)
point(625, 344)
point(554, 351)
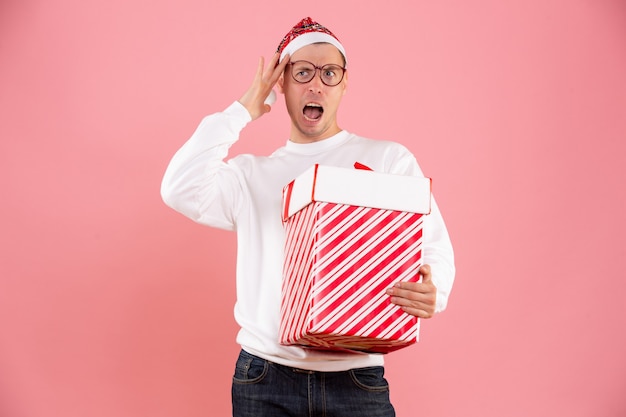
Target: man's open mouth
point(313, 111)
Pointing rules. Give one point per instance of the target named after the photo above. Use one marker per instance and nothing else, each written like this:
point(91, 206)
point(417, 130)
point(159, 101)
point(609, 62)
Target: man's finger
point(280, 67)
point(274, 60)
point(260, 67)
point(417, 312)
point(425, 273)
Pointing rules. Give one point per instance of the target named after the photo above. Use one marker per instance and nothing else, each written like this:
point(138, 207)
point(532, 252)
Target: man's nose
point(316, 83)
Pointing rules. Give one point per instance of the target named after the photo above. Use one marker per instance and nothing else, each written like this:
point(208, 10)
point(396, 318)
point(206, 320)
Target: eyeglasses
point(303, 71)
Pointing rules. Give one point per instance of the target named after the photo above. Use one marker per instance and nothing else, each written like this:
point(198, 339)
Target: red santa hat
point(307, 32)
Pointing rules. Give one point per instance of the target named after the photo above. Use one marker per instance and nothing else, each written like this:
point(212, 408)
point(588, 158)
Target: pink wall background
point(113, 305)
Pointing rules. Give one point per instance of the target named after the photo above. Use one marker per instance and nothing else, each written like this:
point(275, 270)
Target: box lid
point(356, 187)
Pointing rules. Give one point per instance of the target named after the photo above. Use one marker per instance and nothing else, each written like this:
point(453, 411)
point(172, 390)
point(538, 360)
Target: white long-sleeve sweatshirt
point(243, 194)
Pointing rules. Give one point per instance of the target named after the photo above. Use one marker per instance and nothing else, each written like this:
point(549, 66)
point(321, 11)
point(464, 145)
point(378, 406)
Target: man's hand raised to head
point(265, 79)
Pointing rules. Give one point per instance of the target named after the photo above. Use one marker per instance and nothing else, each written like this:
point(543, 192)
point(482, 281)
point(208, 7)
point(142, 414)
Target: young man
point(243, 194)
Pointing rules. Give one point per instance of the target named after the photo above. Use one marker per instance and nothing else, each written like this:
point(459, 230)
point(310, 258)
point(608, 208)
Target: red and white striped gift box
point(350, 234)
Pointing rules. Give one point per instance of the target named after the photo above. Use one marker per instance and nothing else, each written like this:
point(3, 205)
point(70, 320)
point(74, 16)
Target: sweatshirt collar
point(318, 147)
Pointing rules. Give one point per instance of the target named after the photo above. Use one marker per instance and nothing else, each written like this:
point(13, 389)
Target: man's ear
point(280, 83)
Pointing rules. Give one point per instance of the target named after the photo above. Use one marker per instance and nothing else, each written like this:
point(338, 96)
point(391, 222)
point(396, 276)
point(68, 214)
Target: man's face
point(313, 106)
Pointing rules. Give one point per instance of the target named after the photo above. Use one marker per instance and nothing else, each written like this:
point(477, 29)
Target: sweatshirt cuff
point(239, 111)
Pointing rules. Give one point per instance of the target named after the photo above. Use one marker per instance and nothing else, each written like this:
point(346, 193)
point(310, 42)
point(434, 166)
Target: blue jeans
point(263, 388)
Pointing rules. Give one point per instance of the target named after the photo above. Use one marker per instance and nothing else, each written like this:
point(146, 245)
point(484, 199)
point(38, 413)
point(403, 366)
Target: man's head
point(314, 81)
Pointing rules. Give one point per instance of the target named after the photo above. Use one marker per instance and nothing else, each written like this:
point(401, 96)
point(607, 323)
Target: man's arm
point(197, 182)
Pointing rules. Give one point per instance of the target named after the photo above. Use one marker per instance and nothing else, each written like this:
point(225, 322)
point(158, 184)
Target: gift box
point(350, 235)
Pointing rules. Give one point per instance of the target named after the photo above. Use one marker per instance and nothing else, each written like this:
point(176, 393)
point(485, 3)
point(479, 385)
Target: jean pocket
point(370, 379)
point(249, 369)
